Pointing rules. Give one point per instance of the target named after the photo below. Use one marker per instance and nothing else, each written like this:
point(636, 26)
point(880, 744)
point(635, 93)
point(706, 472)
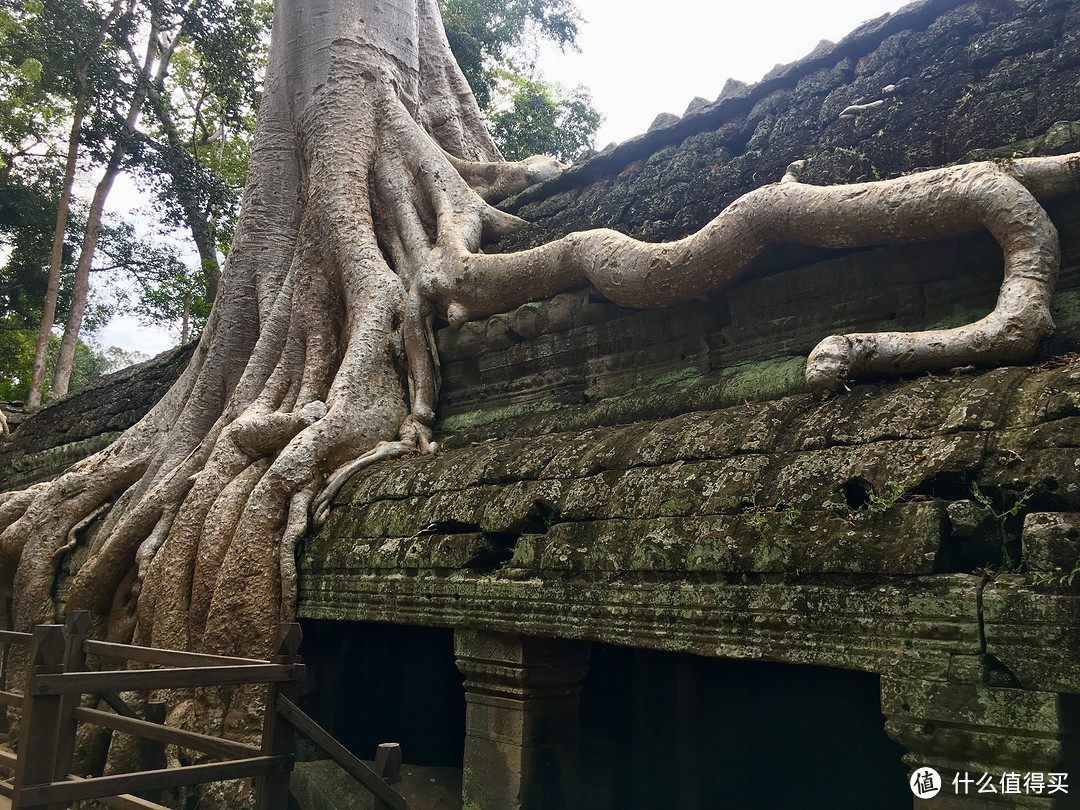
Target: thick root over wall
point(370, 195)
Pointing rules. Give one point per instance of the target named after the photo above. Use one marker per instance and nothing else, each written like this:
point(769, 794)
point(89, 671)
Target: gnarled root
point(462, 284)
point(496, 181)
point(1011, 333)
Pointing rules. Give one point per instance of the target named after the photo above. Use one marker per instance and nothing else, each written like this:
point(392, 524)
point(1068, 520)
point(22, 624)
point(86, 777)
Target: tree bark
point(184, 318)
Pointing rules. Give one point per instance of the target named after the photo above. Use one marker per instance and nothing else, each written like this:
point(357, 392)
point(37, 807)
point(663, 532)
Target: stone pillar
point(966, 729)
point(521, 722)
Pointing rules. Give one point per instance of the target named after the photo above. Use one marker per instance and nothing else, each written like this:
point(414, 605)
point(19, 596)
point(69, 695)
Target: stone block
point(1051, 541)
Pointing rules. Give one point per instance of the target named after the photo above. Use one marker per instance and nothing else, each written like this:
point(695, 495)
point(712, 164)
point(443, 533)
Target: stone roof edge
point(866, 38)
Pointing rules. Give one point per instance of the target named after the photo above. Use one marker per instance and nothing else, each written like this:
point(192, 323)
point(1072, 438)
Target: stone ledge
point(911, 627)
point(871, 483)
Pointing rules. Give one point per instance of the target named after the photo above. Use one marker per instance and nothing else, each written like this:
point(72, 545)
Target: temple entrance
point(673, 730)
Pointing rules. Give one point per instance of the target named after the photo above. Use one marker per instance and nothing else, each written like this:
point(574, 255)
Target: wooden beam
point(78, 628)
point(180, 678)
point(322, 740)
point(11, 699)
point(153, 655)
point(13, 637)
point(174, 736)
point(101, 786)
point(125, 801)
point(118, 705)
point(41, 714)
point(279, 737)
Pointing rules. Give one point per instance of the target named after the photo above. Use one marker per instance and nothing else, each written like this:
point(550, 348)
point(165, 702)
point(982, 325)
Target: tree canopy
point(199, 87)
point(497, 45)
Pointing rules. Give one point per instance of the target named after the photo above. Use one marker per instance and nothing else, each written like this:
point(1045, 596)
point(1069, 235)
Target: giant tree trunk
point(300, 368)
point(365, 207)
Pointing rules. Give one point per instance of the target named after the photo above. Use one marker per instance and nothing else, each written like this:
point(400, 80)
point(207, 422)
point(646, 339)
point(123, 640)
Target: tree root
point(462, 285)
point(438, 220)
point(495, 182)
point(381, 452)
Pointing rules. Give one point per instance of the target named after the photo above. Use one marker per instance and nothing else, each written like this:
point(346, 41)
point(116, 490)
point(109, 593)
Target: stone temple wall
point(44, 443)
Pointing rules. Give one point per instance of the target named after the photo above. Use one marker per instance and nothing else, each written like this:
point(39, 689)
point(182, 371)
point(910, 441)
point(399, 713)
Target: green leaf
point(31, 69)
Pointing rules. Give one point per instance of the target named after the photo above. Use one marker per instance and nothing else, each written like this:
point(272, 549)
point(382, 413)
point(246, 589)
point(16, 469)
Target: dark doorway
point(373, 683)
point(665, 730)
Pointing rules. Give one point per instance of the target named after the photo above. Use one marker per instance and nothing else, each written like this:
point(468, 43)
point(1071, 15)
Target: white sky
point(639, 63)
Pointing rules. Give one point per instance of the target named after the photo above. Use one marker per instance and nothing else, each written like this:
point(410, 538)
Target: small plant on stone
point(988, 504)
point(790, 517)
point(756, 521)
point(1009, 457)
point(1058, 577)
point(753, 516)
point(1000, 518)
point(886, 500)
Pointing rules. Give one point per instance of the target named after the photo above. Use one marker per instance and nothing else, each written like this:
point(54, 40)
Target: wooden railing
point(57, 679)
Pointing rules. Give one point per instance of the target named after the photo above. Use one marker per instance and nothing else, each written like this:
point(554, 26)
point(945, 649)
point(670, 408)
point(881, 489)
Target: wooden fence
point(57, 679)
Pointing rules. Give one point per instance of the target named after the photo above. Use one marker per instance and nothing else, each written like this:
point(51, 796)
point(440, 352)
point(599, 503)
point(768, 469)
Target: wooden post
point(77, 626)
point(388, 762)
point(387, 766)
point(152, 752)
point(279, 738)
point(41, 713)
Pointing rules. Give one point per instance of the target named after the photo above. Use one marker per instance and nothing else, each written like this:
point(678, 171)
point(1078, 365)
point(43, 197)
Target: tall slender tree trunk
point(185, 317)
point(200, 222)
point(37, 379)
point(81, 286)
point(156, 54)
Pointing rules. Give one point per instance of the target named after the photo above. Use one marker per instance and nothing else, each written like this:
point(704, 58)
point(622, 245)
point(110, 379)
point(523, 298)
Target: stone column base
point(521, 722)
point(1009, 742)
